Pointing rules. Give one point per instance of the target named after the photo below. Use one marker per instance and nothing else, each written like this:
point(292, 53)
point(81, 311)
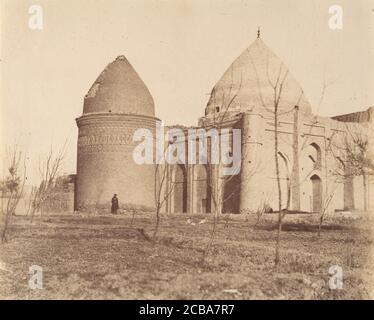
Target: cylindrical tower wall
point(105, 165)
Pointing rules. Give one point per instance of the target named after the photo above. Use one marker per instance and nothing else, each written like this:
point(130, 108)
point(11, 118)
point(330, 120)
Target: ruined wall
point(61, 198)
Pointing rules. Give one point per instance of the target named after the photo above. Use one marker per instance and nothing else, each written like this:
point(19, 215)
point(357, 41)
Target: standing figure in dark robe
point(114, 204)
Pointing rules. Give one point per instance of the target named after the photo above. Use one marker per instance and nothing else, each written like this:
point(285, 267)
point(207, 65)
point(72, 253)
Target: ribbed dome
point(247, 80)
point(119, 89)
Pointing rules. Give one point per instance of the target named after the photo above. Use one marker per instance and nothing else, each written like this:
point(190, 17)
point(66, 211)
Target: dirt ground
point(87, 256)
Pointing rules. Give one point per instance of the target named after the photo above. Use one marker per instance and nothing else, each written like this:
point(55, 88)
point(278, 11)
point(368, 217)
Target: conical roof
point(119, 89)
point(248, 84)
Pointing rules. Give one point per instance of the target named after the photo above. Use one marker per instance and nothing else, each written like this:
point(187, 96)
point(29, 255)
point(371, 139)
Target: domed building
point(248, 84)
point(256, 89)
point(116, 105)
point(253, 88)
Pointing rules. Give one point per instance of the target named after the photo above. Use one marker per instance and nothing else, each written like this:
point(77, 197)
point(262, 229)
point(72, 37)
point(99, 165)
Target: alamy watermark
point(336, 278)
point(36, 277)
point(336, 18)
point(36, 17)
point(198, 146)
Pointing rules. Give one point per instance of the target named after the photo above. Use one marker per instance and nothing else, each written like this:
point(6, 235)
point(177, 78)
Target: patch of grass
point(105, 256)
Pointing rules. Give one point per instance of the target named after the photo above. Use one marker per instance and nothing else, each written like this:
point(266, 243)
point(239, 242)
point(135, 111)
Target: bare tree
point(353, 157)
point(325, 205)
point(360, 159)
point(260, 212)
point(331, 187)
point(221, 116)
point(28, 200)
point(273, 107)
point(13, 186)
point(49, 169)
point(163, 187)
point(278, 88)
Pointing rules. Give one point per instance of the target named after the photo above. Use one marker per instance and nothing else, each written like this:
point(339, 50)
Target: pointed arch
point(285, 179)
point(316, 201)
point(315, 155)
point(180, 188)
point(202, 189)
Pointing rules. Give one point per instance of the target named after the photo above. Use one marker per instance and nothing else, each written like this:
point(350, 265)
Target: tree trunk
point(217, 210)
point(365, 192)
point(320, 226)
point(157, 221)
point(277, 246)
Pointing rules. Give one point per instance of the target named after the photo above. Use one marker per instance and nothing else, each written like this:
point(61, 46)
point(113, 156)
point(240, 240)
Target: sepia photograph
point(191, 150)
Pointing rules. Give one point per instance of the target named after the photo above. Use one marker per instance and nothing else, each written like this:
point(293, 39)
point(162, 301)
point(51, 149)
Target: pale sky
point(180, 48)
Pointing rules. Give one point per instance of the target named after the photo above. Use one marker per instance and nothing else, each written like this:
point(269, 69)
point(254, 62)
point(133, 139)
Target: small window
point(217, 109)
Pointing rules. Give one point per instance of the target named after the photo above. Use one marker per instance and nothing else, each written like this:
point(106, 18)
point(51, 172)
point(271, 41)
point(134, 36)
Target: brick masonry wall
point(105, 165)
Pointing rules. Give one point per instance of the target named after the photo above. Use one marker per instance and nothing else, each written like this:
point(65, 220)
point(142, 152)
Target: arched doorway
point(316, 201)
point(180, 189)
point(202, 189)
